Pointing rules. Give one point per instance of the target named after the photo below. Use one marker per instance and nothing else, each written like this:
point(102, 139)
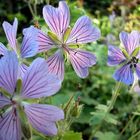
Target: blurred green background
point(112, 17)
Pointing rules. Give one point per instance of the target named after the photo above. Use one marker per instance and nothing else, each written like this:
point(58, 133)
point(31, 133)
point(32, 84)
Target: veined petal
point(124, 74)
point(83, 32)
point(57, 18)
point(138, 70)
point(4, 101)
point(22, 70)
point(56, 64)
point(37, 82)
point(43, 117)
point(81, 60)
point(10, 128)
point(8, 71)
point(3, 49)
point(44, 42)
point(29, 46)
point(11, 32)
point(130, 41)
point(115, 55)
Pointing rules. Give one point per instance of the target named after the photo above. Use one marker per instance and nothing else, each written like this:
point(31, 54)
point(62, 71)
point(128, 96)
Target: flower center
point(16, 100)
point(133, 62)
point(64, 47)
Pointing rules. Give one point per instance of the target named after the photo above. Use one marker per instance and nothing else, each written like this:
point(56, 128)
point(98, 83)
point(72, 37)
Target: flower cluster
point(20, 83)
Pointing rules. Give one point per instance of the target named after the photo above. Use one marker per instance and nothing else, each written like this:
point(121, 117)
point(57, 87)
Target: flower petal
point(115, 55)
point(10, 128)
point(37, 82)
point(130, 41)
point(4, 100)
point(29, 46)
point(83, 32)
point(81, 60)
point(138, 70)
point(43, 117)
point(44, 42)
point(56, 64)
point(124, 74)
point(57, 18)
point(3, 49)
point(22, 70)
point(11, 32)
point(8, 71)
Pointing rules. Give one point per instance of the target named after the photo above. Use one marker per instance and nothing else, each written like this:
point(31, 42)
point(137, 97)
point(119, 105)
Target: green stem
point(113, 100)
point(130, 120)
point(30, 127)
point(35, 9)
point(135, 135)
point(48, 2)
point(30, 8)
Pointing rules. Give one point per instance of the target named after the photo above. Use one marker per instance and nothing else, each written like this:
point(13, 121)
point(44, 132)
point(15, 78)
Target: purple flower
point(58, 20)
point(128, 57)
point(28, 47)
point(36, 83)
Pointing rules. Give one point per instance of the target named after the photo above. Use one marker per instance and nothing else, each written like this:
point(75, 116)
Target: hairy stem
point(134, 136)
point(31, 9)
point(112, 102)
point(130, 120)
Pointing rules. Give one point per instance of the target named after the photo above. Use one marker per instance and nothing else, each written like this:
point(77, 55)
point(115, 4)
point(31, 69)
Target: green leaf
point(106, 136)
point(70, 135)
point(85, 115)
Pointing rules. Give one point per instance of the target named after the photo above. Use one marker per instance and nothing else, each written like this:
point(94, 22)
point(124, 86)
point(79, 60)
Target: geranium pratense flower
point(62, 37)
point(28, 47)
point(128, 57)
point(36, 83)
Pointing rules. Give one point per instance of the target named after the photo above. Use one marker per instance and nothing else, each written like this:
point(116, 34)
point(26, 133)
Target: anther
point(135, 65)
point(1, 56)
point(15, 112)
point(1, 116)
point(15, 89)
point(131, 66)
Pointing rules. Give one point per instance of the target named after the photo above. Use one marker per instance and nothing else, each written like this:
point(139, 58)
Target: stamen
point(1, 56)
point(15, 112)
point(15, 89)
point(131, 66)
point(1, 116)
